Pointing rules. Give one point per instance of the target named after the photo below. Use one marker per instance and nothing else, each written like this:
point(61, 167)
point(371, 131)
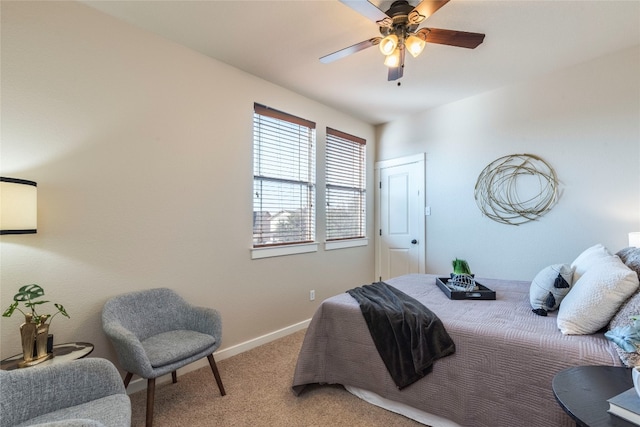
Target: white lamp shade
point(393, 60)
point(18, 206)
point(388, 44)
point(415, 45)
point(634, 239)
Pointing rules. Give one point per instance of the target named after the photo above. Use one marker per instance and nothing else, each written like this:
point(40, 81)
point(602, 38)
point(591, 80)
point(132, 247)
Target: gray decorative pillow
point(631, 258)
point(631, 307)
point(622, 318)
point(549, 287)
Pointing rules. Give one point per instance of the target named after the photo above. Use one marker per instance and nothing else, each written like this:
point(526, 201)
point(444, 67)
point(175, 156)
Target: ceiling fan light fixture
point(399, 30)
point(389, 44)
point(393, 60)
point(415, 45)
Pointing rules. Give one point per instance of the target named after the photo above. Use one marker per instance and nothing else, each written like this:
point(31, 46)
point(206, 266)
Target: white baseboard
point(140, 383)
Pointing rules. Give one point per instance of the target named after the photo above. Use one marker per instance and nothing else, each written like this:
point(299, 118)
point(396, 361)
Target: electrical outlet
point(312, 295)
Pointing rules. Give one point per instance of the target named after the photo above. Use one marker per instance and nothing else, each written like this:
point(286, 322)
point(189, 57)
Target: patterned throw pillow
point(631, 307)
point(549, 287)
point(631, 258)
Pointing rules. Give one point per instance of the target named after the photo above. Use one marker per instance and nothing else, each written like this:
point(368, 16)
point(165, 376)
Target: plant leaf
point(460, 266)
point(9, 311)
point(61, 309)
point(28, 292)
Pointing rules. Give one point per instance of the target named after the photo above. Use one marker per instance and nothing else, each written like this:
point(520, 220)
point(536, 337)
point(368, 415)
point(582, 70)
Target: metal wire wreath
point(496, 190)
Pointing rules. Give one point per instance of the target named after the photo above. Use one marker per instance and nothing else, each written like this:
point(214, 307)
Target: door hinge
point(380, 184)
point(381, 231)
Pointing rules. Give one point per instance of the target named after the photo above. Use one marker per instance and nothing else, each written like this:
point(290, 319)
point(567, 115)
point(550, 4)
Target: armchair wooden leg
point(216, 374)
point(151, 387)
point(127, 379)
point(174, 377)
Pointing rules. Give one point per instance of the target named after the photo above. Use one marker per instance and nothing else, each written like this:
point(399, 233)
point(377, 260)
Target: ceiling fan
point(400, 33)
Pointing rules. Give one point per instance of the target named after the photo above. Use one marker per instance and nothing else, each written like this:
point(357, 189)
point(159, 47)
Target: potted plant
point(460, 266)
point(461, 278)
point(35, 330)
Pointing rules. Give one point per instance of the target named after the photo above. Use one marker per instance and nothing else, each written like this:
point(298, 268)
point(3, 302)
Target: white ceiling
point(281, 41)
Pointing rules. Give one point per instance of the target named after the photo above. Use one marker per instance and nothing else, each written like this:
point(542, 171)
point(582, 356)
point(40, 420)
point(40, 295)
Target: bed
point(499, 375)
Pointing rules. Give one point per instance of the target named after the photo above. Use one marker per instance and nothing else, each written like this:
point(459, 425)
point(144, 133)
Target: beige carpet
point(258, 386)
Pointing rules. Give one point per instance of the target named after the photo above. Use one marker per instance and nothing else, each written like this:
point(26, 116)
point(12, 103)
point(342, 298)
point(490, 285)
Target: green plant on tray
point(460, 266)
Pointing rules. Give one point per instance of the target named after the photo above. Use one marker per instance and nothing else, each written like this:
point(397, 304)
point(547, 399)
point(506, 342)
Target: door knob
point(414, 242)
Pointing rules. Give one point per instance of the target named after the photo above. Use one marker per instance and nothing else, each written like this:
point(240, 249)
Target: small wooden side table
point(582, 392)
point(61, 353)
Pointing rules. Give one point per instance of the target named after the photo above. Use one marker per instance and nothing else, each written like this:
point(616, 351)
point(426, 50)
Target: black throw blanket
point(408, 336)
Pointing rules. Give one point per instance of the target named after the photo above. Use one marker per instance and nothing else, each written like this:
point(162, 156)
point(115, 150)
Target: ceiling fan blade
point(452, 38)
point(366, 9)
point(396, 72)
point(350, 50)
point(427, 8)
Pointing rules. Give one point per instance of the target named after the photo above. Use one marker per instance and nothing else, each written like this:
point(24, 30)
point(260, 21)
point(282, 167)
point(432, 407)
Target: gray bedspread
point(500, 375)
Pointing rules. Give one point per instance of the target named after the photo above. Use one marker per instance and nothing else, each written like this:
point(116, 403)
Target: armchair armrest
point(131, 354)
point(205, 320)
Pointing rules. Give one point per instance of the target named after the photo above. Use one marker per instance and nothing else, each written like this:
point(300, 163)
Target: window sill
point(259, 253)
point(342, 244)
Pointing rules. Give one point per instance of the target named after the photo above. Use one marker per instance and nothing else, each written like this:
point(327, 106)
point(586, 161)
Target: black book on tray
point(626, 405)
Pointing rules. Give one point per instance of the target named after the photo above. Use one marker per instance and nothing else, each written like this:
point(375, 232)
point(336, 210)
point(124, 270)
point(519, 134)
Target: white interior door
point(400, 247)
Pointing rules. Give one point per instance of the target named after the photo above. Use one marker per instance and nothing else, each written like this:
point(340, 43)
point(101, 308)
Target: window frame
point(343, 147)
point(271, 128)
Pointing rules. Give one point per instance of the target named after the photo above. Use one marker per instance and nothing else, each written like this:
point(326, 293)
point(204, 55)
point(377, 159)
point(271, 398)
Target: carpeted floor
point(258, 386)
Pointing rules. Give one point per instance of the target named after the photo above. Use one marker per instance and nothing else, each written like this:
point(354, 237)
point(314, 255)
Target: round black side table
point(61, 353)
point(582, 392)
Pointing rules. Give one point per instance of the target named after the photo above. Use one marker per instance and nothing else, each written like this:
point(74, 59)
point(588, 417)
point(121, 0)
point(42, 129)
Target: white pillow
point(549, 288)
point(595, 298)
point(588, 258)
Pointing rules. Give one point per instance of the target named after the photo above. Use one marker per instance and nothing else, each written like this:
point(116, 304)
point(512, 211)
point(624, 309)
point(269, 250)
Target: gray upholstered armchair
point(85, 392)
point(156, 331)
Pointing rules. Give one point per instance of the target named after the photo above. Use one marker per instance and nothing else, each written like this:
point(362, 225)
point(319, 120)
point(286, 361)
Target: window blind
point(345, 191)
point(283, 178)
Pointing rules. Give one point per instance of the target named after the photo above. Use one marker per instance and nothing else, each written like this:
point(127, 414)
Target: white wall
point(584, 121)
point(142, 153)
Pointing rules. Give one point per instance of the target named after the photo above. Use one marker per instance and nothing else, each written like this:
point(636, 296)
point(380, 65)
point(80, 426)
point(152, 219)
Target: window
point(283, 178)
point(345, 174)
